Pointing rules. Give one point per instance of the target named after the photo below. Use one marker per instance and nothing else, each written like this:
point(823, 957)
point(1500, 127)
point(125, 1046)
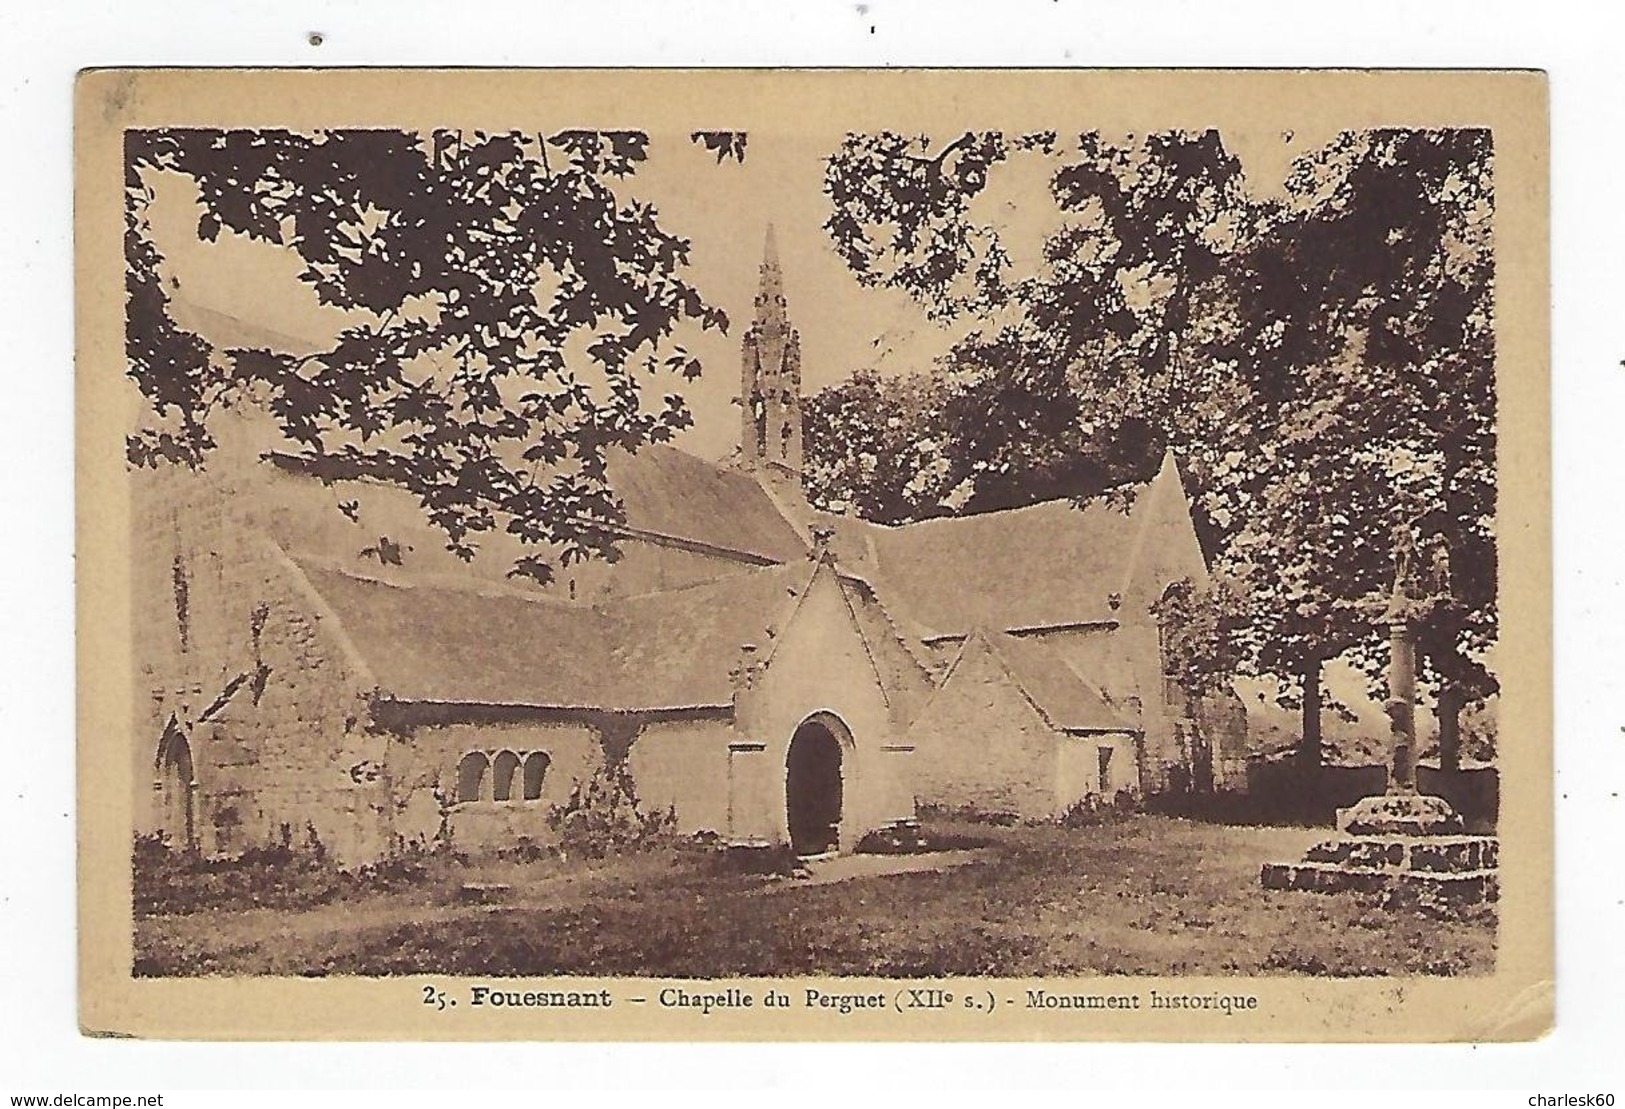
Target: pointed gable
point(1166, 548)
point(1066, 701)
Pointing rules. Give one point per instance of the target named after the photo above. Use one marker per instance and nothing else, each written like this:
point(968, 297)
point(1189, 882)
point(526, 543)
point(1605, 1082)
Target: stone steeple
point(770, 389)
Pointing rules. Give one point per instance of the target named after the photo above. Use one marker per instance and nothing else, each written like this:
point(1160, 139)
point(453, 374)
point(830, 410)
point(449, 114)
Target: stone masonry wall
point(232, 647)
point(683, 765)
point(980, 744)
point(424, 773)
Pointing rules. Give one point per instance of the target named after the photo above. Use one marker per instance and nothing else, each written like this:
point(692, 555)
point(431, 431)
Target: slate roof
point(428, 642)
point(674, 649)
point(677, 647)
point(672, 493)
point(1060, 694)
point(1047, 564)
point(458, 640)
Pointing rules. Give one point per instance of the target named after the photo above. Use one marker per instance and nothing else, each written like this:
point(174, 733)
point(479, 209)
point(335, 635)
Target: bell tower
point(770, 387)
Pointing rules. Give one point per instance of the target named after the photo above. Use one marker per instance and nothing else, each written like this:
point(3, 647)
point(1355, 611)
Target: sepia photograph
point(1038, 538)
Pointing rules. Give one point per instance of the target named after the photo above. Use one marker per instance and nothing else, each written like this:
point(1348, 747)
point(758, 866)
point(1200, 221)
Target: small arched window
point(535, 770)
point(502, 772)
point(471, 775)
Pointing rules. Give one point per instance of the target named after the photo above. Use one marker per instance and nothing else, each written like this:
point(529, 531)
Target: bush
point(603, 816)
point(778, 859)
point(525, 850)
point(1095, 809)
point(894, 839)
point(278, 875)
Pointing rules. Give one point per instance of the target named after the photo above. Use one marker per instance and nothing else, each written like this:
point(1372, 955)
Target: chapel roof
point(670, 492)
point(1046, 564)
point(434, 642)
point(1060, 694)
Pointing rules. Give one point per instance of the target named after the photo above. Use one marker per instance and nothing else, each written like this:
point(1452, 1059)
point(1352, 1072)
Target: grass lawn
point(1136, 895)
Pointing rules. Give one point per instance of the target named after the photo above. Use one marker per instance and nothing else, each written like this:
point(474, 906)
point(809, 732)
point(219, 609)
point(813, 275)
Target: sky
point(234, 290)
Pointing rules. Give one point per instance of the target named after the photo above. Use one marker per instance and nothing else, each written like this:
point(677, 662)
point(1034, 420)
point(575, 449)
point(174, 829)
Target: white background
point(1579, 44)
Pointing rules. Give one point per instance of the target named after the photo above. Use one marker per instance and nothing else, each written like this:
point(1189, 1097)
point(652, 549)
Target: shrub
point(603, 816)
point(894, 839)
point(277, 875)
point(776, 859)
point(1095, 809)
point(524, 850)
point(1086, 812)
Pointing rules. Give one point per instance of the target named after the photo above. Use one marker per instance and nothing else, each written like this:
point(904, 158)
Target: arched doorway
point(177, 789)
point(814, 787)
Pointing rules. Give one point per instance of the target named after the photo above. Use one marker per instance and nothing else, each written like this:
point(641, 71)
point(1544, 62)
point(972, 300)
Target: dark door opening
point(175, 780)
point(812, 789)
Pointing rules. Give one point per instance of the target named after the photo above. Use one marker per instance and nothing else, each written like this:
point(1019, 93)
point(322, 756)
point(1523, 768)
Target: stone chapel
point(770, 673)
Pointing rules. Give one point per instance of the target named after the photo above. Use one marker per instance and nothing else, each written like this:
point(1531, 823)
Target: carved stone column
point(1402, 707)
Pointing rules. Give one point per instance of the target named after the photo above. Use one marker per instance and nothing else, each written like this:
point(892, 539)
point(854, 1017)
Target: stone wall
point(980, 743)
point(1222, 719)
point(819, 664)
point(428, 781)
point(231, 645)
point(1125, 664)
point(1080, 773)
point(683, 765)
point(1475, 793)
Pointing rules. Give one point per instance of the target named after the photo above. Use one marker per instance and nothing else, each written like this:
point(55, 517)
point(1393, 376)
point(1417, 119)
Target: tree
point(1078, 382)
point(875, 446)
point(956, 439)
point(473, 262)
point(1323, 363)
point(1369, 308)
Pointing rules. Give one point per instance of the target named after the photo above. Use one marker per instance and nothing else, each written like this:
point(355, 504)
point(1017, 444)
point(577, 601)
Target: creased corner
point(1528, 1015)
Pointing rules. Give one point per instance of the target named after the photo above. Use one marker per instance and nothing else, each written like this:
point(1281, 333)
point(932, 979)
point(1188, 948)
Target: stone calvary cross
point(1403, 842)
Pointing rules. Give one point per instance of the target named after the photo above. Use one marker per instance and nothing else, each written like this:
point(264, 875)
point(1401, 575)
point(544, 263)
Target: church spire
point(770, 252)
point(771, 376)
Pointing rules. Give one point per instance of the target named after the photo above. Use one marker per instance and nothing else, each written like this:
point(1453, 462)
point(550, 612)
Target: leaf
point(724, 144)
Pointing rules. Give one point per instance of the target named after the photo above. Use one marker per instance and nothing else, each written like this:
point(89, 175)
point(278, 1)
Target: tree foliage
point(1198, 626)
point(876, 447)
point(1370, 309)
point(1321, 361)
point(508, 309)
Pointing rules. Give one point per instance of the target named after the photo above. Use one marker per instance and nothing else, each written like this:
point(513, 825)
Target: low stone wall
point(1281, 789)
point(1475, 794)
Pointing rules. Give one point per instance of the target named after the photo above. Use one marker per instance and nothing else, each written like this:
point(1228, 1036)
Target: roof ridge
point(695, 586)
point(471, 585)
point(1093, 500)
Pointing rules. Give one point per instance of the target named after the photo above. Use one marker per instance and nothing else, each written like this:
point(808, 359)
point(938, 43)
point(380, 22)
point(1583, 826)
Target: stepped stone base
point(1402, 814)
point(1409, 846)
point(1458, 889)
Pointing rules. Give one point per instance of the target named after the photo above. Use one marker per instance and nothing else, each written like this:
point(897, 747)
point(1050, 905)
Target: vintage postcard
point(751, 555)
